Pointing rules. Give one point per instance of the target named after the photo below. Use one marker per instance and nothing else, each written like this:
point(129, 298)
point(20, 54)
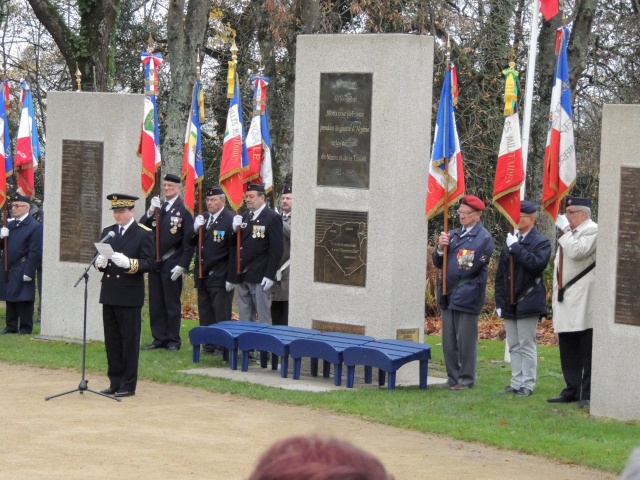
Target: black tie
point(464, 232)
point(251, 216)
point(121, 232)
point(18, 223)
point(164, 206)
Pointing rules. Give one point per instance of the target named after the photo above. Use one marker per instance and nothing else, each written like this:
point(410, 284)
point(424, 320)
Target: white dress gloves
point(176, 272)
point(155, 203)
point(4, 232)
point(198, 222)
point(121, 260)
point(511, 239)
point(266, 283)
point(237, 221)
point(562, 223)
point(101, 262)
point(229, 286)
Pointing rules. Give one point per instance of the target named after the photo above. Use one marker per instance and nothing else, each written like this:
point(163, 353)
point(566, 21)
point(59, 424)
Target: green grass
point(531, 425)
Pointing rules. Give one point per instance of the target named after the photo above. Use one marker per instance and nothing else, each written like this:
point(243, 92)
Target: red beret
point(473, 202)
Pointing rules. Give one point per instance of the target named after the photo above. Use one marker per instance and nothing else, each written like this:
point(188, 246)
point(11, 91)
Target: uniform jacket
point(176, 230)
point(25, 257)
point(575, 312)
point(125, 288)
point(216, 249)
point(261, 248)
point(281, 289)
point(531, 257)
point(467, 269)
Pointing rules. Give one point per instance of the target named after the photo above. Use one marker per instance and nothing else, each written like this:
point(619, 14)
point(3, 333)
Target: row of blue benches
point(331, 347)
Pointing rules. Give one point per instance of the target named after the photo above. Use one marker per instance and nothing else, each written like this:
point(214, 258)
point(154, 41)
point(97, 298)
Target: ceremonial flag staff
point(7, 162)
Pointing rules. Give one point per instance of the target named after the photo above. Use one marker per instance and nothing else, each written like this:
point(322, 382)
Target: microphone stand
point(82, 387)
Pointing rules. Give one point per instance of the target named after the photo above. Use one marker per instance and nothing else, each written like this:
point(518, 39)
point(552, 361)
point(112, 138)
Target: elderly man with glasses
point(573, 299)
point(24, 252)
point(469, 250)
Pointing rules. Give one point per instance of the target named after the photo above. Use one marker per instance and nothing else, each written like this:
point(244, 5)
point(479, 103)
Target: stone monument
point(361, 156)
point(92, 140)
point(615, 385)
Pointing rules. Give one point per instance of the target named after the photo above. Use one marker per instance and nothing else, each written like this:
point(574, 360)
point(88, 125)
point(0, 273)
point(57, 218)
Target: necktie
point(464, 232)
point(251, 216)
point(209, 222)
point(121, 232)
point(18, 222)
point(165, 206)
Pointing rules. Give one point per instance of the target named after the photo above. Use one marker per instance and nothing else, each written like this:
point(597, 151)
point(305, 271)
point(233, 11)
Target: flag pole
point(5, 207)
point(234, 59)
point(152, 91)
point(200, 234)
point(446, 182)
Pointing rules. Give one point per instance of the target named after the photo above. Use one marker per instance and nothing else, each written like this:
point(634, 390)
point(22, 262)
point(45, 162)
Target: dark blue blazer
point(25, 257)
point(216, 250)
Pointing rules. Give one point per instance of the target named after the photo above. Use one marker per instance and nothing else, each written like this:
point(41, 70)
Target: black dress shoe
point(583, 403)
point(561, 399)
point(6, 331)
point(124, 393)
point(153, 346)
point(524, 392)
point(109, 391)
point(173, 348)
point(509, 389)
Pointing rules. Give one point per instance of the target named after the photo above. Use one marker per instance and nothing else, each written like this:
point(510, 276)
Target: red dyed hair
point(312, 458)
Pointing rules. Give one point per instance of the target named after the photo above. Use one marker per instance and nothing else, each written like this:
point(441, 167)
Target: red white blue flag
point(149, 148)
point(560, 154)
point(258, 138)
point(192, 166)
point(27, 145)
point(5, 142)
point(446, 175)
point(235, 159)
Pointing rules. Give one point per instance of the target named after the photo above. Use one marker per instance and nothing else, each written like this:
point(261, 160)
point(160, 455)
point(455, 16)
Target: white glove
point(511, 239)
point(237, 221)
point(155, 203)
point(26, 278)
point(229, 286)
point(176, 272)
point(499, 312)
point(101, 262)
point(198, 222)
point(266, 283)
point(121, 260)
point(562, 222)
point(4, 232)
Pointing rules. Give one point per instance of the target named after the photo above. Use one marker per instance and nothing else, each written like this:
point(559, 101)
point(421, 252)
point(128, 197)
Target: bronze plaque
point(408, 334)
point(337, 327)
point(80, 203)
point(341, 247)
point(344, 137)
point(627, 274)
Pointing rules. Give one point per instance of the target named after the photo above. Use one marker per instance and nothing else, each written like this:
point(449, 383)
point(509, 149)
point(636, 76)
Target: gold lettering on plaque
point(337, 327)
point(409, 334)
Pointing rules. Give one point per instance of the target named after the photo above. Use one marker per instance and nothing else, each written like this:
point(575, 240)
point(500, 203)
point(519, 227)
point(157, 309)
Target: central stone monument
point(361, 155)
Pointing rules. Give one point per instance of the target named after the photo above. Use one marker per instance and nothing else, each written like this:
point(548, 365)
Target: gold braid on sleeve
point(134, 266)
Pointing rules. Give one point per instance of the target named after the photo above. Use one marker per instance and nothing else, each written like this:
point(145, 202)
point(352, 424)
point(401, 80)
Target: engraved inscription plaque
point(344, 137)
point(324, 326)
point(628, 258)
point(409, 334)
point(341, 247)
point(80, 203)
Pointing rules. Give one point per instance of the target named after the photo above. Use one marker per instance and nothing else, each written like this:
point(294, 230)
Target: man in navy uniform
point(24, 258)
point(122, 294)
point(215, 293)
point(260, 253)
point(469, 250)
point(165, 282)
point(531, 252)
point(280, 299)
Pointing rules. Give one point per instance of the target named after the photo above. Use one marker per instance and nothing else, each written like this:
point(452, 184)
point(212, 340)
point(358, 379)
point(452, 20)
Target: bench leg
point(392, 381)
point(284, 368)
point(337, 374)
point(424, 367)
point(245, 360)
point(351, 375)
point(368, 374)
point(234, 358)
point(297, 364)
point(314, 367)
point(381, 377)
point(264, 359)
point(326, 369)
point(225, 354)
point(274, 361)
point(196, 353)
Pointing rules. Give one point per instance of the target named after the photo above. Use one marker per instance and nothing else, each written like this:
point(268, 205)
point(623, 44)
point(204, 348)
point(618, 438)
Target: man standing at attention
point(122, 294)
point(280, 300)
point(573, 305)
point(469, 250)
point(24, 253)
point(215, 294)
point(531, 252)
point(165, 281)
point(260, 254)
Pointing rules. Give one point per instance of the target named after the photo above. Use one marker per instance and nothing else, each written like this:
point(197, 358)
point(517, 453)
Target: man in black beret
point(165, 281)
point(530, 251)
point(122, 293)
point(215, 293)
point(24, 252)
point(262, 244)
point(280, 299)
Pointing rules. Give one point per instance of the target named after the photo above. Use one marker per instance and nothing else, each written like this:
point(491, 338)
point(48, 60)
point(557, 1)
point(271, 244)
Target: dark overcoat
point(216, 249)
point(25, 257)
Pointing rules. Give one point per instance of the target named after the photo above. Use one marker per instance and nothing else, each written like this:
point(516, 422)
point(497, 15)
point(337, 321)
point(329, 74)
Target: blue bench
point(388, 356)
point(275, 340)
point(328, 347)
point(224, 334)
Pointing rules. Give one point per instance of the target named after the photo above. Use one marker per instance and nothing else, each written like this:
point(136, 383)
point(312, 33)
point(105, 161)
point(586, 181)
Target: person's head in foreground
point(313, 458)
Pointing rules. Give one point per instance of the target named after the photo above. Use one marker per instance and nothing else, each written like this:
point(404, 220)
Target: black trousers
point(279, 313)
point(575, 359)
point(20, 317)
point(165, 309)
point(122, 327)
point(214, 305)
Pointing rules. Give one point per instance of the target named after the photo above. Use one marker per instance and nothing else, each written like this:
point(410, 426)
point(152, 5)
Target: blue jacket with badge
point(25, 257)
point(467, 269)
point(531, 257)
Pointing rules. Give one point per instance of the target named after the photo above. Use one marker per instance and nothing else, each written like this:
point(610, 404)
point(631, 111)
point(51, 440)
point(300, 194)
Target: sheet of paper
point(104, 249)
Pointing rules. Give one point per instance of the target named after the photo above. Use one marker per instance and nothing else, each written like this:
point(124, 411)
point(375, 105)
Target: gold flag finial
point(150, 43)
point(78, 78)
point(234, 50)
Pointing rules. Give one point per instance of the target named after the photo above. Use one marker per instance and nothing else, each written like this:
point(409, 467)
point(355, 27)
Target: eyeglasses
point(571, 212)
point(462, 212)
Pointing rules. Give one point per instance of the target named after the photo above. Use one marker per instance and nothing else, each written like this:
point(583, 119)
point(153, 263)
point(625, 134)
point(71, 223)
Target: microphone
point(108, 236)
